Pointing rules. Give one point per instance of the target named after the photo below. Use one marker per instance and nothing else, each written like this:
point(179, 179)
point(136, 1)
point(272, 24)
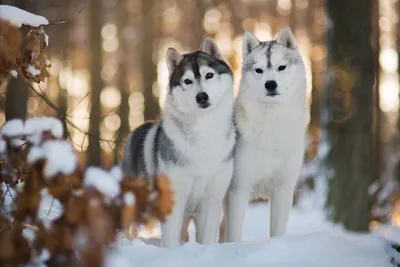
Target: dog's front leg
point(281, 204)
point(237, 202)
point(208, 219)
point(171, 228)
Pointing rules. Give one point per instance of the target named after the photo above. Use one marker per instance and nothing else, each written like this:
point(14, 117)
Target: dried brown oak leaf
point(128, 216)
point(165, 201)
point(33, 65)
point(139, 187)
point(100, 227)
point(28, 200)
point(10, 42)
point(14, 248)
point(62, 186)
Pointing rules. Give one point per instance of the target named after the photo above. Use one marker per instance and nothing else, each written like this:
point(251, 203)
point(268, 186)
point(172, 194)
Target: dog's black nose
point(271, 86)
point(202, 98)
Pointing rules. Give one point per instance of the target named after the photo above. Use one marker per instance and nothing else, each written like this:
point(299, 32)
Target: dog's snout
point(271, 86)
point(202, 98)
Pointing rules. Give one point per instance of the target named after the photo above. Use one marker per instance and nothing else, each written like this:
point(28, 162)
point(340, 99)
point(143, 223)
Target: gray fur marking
point(248, 65)
point(165, 150)
point(193, 62)
point(138, 165)
point(268, 53)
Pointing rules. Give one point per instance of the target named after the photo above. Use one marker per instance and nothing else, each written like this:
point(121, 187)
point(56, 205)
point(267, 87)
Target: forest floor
point(311, 241)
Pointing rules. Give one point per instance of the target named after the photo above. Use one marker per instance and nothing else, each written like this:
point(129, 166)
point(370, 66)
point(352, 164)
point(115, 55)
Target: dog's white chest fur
point(205, 149)
point(270, 145)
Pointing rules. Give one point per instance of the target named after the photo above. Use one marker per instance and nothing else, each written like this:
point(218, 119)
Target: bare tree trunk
point(63, 43)
point(197, 22)
point(123, 85)
point(293, 17)
point(398, 66)
point(350, 101)
point(17, 90)
point(376, 105)
point(398, 71)
point(16, 99)
point(149, 68)
point(316, 38)
point(95, 22)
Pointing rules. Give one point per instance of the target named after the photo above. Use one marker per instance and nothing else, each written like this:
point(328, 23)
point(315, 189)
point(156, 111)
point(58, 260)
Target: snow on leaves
point(22, 57)
point(95, 204)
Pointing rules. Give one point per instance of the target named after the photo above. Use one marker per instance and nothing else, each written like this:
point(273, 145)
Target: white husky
point(193, 142)
point(270, 119)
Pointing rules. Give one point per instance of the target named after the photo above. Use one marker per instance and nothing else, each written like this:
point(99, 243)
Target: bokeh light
point(112, 122)
point(110, 97)
point(109, 31)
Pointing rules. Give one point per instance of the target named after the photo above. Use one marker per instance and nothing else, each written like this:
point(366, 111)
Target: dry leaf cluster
point(23, 56)
point(90, 220)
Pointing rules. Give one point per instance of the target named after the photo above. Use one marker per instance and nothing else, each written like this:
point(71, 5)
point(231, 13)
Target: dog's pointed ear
point(286, 38)
point(250, 42)
point(210, 47)
point(173, 59)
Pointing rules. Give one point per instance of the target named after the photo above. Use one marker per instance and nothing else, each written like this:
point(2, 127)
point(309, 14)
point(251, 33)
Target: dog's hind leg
point(281, 204)
point(185, 230)
point(224, 221)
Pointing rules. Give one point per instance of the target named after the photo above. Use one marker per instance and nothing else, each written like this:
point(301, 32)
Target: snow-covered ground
point(311, 241)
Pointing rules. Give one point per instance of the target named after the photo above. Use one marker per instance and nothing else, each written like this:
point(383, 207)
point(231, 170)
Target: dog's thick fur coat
point(270, 119)
point(193, 143)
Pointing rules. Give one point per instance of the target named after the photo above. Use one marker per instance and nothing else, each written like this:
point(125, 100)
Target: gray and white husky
point(270, 119)
point(192, 143)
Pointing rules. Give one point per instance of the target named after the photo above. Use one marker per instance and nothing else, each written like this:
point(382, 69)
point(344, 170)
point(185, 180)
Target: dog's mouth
point(204, 106)
point(272, 94)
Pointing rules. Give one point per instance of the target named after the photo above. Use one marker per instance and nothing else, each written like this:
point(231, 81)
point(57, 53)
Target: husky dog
point(270, 119)
point(192, 143)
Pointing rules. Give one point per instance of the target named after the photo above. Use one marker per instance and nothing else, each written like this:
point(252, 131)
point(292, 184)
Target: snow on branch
point(19, 17)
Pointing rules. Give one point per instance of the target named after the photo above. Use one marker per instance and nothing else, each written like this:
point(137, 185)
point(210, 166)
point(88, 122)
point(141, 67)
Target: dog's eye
point(209, 75)
point(282, 67)
point(187, 81)
point(258, 70)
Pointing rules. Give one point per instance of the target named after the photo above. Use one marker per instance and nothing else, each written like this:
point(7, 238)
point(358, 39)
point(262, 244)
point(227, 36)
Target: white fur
point(270, 148)
point(199, 187)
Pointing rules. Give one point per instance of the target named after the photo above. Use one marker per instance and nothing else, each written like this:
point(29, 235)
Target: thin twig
point(79, 102)
point(58, 22)
point(51, 206)
point(73, 125)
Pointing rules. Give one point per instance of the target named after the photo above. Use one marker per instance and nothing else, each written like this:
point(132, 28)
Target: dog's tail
point(127, 160)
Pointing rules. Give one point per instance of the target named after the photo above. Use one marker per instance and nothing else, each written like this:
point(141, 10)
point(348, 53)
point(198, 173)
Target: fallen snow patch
point(102, 181)
point(32, 70)
point(59, 156)
point(13, 128)
point(36, 126)
point(14, 73)
point(129, 199)
point(19, 17)
point(116, 172)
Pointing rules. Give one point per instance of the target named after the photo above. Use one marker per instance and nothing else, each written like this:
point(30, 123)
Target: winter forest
point(77, 77)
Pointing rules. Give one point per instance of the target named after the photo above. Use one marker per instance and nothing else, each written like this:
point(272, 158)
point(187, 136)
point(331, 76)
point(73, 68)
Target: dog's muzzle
point(202, 99)
point(271, 87)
